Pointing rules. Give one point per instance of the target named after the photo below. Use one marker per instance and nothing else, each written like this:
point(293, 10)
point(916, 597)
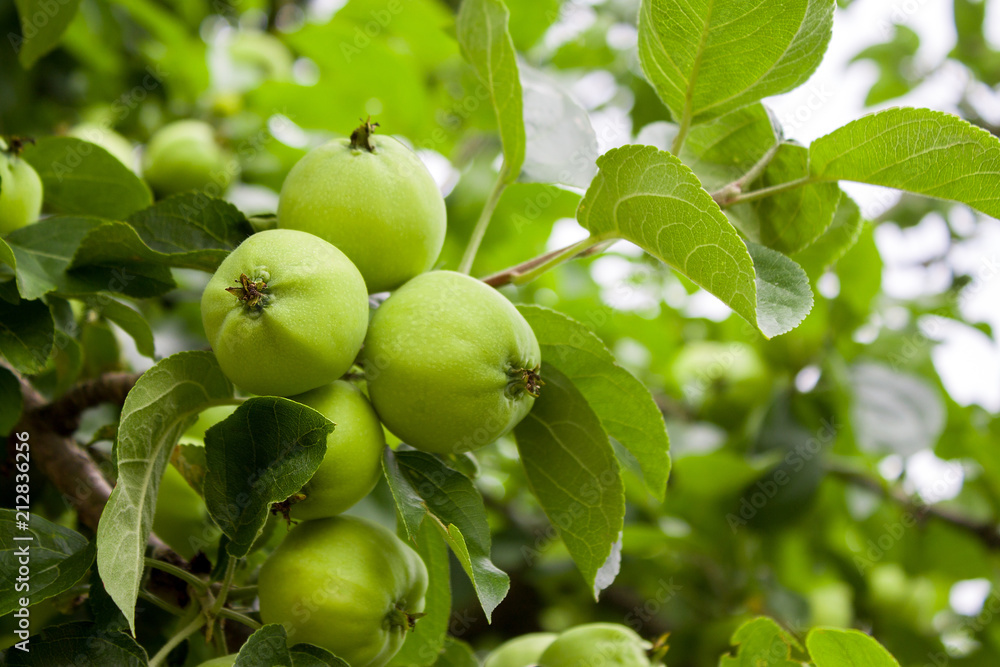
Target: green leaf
point(81, 178)
point(647, 196)
point(456, 653)
point(726, 148)
point(45, 249)
point(708, 57)
point(131, 321)
point(572, 470)
point(424, 642)
point(266, 647)
point(894, 412)
point(11, 401)
point(485, 41)
point(918, 150)
point(7, 255)
point(561, 145)
point(838, 238)
point(43, 23)
point(163, 403)
point(830, 647)
point(262, 453)
point(788, 221)
point(783, 294)
point(118, 243)
point(191, 462)
point(192, 227)
point(307, 655)
point(26, 335)
point(81, 643)
point(58, 558)
point(66, 361)
point(624, 405)
point(423, 486)
point(762, 643)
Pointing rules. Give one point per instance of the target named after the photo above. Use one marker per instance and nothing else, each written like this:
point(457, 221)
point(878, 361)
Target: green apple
point(285, 312)
point(20, 191)
point(523, 651)
point(346, 585)
point(108, 139)
point(181, 518)
point(353, 461)
point(597, 645)
point(722, 380)
point(258, 56)
point(223, 661)
point(451, 364)
point(371, 197)
point(184, 155)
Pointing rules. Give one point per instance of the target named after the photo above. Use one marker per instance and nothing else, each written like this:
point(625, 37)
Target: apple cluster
point(449, 365)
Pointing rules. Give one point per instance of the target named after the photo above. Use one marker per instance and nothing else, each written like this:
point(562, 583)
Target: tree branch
point(985, 531)
point(63, 414)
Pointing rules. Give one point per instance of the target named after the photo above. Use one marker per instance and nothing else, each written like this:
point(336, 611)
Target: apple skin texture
point(20, 192)
point(183, 156)
point(523, 651)
point(438, 356)
point(353, 461)
point(309, 326)
point(346, 585)
point(382, 209)
point(597, 645)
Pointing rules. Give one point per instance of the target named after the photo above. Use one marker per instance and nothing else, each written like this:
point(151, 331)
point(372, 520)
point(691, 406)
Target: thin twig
point(479, 231)
point(525, 271)
point(986, 531)
point(175, 641)
point(240, 618)
point(724, 197)
point(161, 603)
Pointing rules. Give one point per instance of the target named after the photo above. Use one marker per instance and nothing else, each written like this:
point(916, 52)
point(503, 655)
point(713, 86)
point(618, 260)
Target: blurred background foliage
point(802, 465)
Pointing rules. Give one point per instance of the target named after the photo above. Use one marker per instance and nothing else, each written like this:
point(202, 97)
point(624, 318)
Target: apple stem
point(16, 145)
point(251, 292)
point(525, 379)
point(398, 618)
point(362, 137)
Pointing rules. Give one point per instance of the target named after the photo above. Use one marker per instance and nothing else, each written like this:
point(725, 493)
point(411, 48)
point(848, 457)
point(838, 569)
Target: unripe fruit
point(184, 156)
point(223, 661)
point(352, 464)
point(523, 651)
point(597, 645)
point(346, 585)
point(451, 364)
point(181, 518)
point(380, 206)
point(118, 146)
point(20, 192)
point(285, 312)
